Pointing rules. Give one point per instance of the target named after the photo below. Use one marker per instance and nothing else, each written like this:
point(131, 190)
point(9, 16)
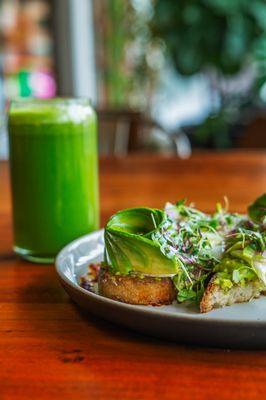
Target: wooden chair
point(122, 131)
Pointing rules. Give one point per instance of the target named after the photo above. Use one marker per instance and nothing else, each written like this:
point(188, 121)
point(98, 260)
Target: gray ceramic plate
point(240, 325)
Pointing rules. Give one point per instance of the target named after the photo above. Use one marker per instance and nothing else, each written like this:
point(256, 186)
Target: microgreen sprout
point(198, 242)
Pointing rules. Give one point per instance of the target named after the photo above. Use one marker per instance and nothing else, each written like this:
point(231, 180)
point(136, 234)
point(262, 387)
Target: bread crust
point(133, 289)
point(215, 297)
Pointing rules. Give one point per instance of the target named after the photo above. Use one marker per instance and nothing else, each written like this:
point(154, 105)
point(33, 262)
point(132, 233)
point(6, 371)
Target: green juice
point(54, 174)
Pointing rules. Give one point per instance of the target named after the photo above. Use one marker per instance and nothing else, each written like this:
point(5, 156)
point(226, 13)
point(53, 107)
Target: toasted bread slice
point(215, 297)
point(135, 289)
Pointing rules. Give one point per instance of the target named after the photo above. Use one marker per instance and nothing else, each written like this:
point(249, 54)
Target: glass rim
point(60, 101)
point(55, 110)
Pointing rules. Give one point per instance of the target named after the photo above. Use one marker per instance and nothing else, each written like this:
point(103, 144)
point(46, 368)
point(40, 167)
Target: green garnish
point(257, 210)
point(242, 258)
point(192, 238)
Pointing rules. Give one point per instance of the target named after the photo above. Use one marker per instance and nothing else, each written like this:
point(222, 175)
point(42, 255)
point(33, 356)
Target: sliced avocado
point(232, 271)
point(129, 245)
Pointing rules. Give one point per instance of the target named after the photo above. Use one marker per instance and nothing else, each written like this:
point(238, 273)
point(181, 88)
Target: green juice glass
point(54, 174)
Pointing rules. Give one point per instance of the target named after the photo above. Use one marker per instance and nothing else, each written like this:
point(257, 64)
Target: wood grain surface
point(49, 349)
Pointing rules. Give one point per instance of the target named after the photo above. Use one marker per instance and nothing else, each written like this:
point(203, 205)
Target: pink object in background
point(42, 84)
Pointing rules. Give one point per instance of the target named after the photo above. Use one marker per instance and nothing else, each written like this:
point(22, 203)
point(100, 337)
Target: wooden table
point(50, 350)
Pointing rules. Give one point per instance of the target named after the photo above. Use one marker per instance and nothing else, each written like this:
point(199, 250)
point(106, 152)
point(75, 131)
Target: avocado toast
point(153, 257)
point(135, 270)
point(240, 275)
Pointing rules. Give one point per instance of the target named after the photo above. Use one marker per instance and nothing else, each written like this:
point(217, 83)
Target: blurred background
point(164, 76)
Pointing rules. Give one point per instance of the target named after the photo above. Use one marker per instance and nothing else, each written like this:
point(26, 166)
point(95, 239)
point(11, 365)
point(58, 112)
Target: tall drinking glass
point(54, 174)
